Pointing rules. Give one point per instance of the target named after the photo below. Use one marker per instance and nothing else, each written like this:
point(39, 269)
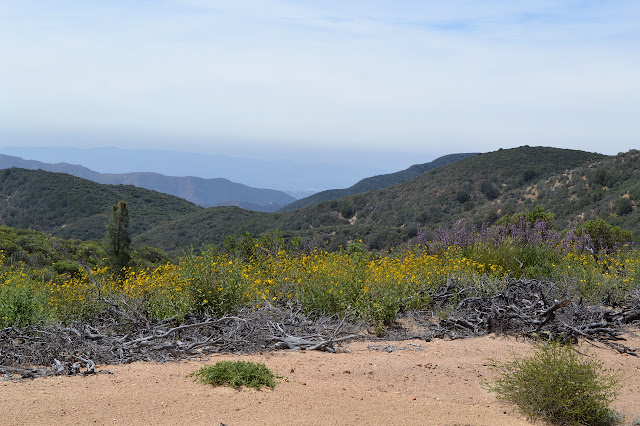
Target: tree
point(623, 206)
point(117, 239)
point(489, 190)
point(463, 196)
point(529, 175)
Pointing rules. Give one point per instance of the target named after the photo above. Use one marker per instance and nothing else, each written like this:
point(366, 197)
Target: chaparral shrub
point(558, 385)
point(235, 374)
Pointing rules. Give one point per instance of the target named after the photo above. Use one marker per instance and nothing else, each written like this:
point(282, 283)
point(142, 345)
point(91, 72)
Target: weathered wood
point(115, 339)
point(522, 308)
point(121, 334)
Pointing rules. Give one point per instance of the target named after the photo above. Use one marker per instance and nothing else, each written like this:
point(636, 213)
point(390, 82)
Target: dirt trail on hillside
point(379, 383)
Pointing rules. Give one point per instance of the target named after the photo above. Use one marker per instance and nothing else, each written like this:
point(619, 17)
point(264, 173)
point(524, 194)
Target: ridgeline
point(574, 185)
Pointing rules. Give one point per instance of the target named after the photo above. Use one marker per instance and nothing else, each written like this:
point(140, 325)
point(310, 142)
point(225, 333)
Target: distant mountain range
point(203, 192)
point(574, 185)
point(297, 170)
point(219, 192)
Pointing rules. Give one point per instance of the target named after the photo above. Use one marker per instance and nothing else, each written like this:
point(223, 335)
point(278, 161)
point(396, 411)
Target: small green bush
point(20, 305)
point(603, 235)
point(558, 385)
point(66, 267)
point(235, 374)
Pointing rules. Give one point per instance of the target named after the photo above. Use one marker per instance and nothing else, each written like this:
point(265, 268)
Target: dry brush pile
point(518, 279)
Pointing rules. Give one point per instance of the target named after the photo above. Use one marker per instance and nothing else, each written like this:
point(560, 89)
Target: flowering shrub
point(366, 286)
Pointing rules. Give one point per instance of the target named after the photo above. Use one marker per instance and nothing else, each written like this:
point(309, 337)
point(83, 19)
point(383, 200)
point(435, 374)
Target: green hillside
point(606, 189)
point(375, 182)
point(70, 207)
point(574, 185)
point(479, 189)
point(203, 192)
point(208, 226)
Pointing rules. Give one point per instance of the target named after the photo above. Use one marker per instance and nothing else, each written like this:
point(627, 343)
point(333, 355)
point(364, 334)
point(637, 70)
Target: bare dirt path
point(411, 382)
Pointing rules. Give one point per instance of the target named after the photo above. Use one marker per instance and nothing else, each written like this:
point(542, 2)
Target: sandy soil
point(412, 382)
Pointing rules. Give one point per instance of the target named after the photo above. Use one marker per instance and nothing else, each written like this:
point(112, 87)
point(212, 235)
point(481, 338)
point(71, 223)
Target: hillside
point(478, 189)
point(71, 207)
point(203, 192)
point(208, 226)
point(574, 185)
point(376, 182)
point(267, 208)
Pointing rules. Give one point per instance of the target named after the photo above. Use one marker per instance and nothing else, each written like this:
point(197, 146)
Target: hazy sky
point(401, 76)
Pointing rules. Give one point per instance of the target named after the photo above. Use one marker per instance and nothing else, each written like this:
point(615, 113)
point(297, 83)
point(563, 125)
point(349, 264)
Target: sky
point(403, 77)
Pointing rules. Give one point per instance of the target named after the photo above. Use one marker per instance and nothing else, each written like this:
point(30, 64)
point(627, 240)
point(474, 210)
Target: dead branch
point(120, 337)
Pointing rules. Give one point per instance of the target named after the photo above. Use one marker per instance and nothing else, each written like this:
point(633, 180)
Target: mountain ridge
point(574, 185)
point(479, 190)
point(71, 207)
point(200, 191)
point(292, 169)
point(376, 182)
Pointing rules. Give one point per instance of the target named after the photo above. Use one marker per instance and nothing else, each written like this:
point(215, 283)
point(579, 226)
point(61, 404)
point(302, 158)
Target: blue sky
point(426, 77)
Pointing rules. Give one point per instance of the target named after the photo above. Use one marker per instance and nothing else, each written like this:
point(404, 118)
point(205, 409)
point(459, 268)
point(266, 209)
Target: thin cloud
point(368, 74)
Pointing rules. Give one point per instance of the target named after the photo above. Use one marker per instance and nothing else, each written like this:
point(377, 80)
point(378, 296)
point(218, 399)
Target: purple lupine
point(422, 240)
point(460, 233)
point(523, 233)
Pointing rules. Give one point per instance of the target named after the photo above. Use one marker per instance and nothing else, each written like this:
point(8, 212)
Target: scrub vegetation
point(235, 374)
point(560, 386)
point(575, 186)
point(508, 246)
point(41, 283)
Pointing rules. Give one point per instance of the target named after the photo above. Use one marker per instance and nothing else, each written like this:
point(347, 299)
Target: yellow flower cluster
point(373, 287)
point(604, 276)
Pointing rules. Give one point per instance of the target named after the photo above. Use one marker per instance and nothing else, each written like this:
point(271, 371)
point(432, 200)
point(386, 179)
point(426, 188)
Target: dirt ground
point(381, 383)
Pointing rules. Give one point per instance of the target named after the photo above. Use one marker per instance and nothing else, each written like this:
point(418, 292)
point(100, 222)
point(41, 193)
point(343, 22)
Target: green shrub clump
point(560, 386)
point(235, 374)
